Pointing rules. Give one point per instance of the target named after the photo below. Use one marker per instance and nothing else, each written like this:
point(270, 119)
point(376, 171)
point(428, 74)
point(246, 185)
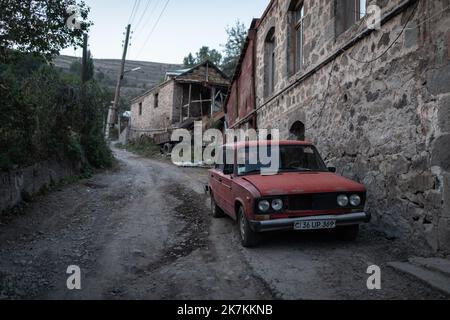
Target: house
point(375, 97)
point(241, 98)
point(186, 96)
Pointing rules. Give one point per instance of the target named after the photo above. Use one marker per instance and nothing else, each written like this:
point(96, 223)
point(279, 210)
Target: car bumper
point(288, 224)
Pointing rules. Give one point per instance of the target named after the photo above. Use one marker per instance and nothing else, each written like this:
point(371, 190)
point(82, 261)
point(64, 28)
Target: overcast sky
point(184, 27)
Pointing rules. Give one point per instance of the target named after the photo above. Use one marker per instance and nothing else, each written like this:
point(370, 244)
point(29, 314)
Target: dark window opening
point(348, 12)
point(140, 108)
point(297, 131)
point(297, 11)
point(156, 100)
point(270, 63)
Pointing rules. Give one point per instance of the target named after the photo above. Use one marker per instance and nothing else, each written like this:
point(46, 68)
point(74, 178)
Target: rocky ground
point(143, 231)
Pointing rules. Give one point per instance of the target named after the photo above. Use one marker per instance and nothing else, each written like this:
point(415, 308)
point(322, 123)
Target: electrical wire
point(143, 15)
point(393, 42)
point(132, 11)
point(135, 11)
point(154, 27)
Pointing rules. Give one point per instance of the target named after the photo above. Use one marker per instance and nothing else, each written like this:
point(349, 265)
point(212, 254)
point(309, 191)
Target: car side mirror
point(332, 169)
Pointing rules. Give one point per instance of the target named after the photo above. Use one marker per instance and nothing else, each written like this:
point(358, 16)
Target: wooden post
point(113, 109)
point(84, 59)
point(213, 100)
point(190, 99)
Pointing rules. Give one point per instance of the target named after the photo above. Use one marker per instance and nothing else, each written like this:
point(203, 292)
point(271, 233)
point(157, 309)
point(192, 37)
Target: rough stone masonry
point(384, 123)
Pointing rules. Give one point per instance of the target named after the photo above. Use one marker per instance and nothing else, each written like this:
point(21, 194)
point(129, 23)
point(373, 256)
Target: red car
point(303, 194)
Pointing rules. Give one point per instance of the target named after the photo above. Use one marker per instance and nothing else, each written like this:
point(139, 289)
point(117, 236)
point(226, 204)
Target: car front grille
point(319, 202)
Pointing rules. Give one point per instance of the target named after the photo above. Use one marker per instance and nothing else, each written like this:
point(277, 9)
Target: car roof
point(266, 143)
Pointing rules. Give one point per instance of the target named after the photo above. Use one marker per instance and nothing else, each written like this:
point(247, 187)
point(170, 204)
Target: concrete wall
point(386, 123)
point(18, 184)
point(153, 120)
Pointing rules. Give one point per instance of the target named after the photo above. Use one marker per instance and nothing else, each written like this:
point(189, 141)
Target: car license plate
point(315, 225)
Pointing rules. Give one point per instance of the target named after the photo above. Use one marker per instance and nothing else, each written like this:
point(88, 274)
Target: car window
point(292, 158)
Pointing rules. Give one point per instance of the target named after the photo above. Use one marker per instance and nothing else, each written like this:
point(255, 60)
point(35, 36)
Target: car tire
point(348, 233)
point(249, 238)
point(216, 212)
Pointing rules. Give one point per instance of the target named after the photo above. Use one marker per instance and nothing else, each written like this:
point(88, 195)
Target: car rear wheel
point(216, 212)
point(348, 233)
point(249, 238)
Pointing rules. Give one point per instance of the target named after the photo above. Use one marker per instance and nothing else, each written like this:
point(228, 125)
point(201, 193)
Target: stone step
point(433, 264)
point(434, 279)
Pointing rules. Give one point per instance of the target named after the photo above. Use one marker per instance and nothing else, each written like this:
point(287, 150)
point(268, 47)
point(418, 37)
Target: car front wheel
point(249, 238)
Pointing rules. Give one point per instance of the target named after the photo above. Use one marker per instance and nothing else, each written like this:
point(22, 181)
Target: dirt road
point(144, 232)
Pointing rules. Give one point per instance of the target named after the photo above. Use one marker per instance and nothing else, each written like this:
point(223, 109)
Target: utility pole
point(114, 108)
point(84, 59)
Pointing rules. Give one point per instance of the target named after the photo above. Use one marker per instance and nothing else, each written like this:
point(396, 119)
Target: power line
point(154, 7)
point(132, 11)
point(154, 28)
point(393, 42)
point(138, 4)
point(143, 15)
point(433, 16)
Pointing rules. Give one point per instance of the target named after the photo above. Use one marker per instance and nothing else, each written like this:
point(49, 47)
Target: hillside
point(134, 84)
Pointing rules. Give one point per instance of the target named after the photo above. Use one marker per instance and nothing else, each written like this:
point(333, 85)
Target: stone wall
point(20, 184)
point(153, 120)
point(386, 123)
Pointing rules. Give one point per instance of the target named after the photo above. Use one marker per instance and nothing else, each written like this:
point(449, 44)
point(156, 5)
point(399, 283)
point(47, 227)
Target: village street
point(143, 231)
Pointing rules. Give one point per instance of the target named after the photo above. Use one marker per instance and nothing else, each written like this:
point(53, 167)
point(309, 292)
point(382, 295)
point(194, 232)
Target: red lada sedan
point(303, 194)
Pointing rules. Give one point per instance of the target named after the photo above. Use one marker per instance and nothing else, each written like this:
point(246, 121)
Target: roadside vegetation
point(143, 147)
point(47, 113)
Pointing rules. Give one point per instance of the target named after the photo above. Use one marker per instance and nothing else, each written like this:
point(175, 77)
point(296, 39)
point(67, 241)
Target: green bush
point(144, 147)
point(48, 114)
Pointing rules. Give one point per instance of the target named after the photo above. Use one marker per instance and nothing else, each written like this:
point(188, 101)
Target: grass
point(143, 147)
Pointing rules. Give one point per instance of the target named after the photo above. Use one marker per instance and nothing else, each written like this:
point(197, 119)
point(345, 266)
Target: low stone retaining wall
point(15, 185)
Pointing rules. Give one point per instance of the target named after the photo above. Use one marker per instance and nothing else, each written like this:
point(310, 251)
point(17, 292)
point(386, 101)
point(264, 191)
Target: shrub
point(47, 114)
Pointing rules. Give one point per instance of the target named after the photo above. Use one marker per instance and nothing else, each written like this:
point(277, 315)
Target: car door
point(227, 185)
point(216, 184)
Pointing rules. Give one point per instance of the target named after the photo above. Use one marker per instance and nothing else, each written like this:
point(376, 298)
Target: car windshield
point(292, 158)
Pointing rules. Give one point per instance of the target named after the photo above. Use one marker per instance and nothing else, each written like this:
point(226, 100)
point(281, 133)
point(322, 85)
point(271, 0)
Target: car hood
point(303, 183)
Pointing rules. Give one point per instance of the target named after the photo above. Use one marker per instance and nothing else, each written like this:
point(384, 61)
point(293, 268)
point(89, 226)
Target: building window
point(348, 12)
point(298, 14)
point(140, 108)
point(361, 9)
point(270, 63)
point(156, 100)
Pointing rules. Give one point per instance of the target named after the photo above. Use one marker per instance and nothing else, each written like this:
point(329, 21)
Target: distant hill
point(134, 84)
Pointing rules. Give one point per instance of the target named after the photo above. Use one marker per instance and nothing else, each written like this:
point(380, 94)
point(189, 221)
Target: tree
point(76, 66)
point(237, 36)
point(203, 54)
point(209, 54)
point(189, 61)
point(42, 26)
point(89, 67)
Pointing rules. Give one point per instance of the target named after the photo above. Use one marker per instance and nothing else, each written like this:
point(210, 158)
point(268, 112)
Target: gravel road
point(143, 231)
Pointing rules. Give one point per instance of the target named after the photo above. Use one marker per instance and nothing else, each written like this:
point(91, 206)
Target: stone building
point(186, 96)
point(376, 101)
point(241, 97)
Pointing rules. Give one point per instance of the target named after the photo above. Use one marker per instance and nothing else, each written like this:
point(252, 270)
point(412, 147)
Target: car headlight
point(355, 200)
point(264, 206)
point(277, 204)
point(342, 200)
